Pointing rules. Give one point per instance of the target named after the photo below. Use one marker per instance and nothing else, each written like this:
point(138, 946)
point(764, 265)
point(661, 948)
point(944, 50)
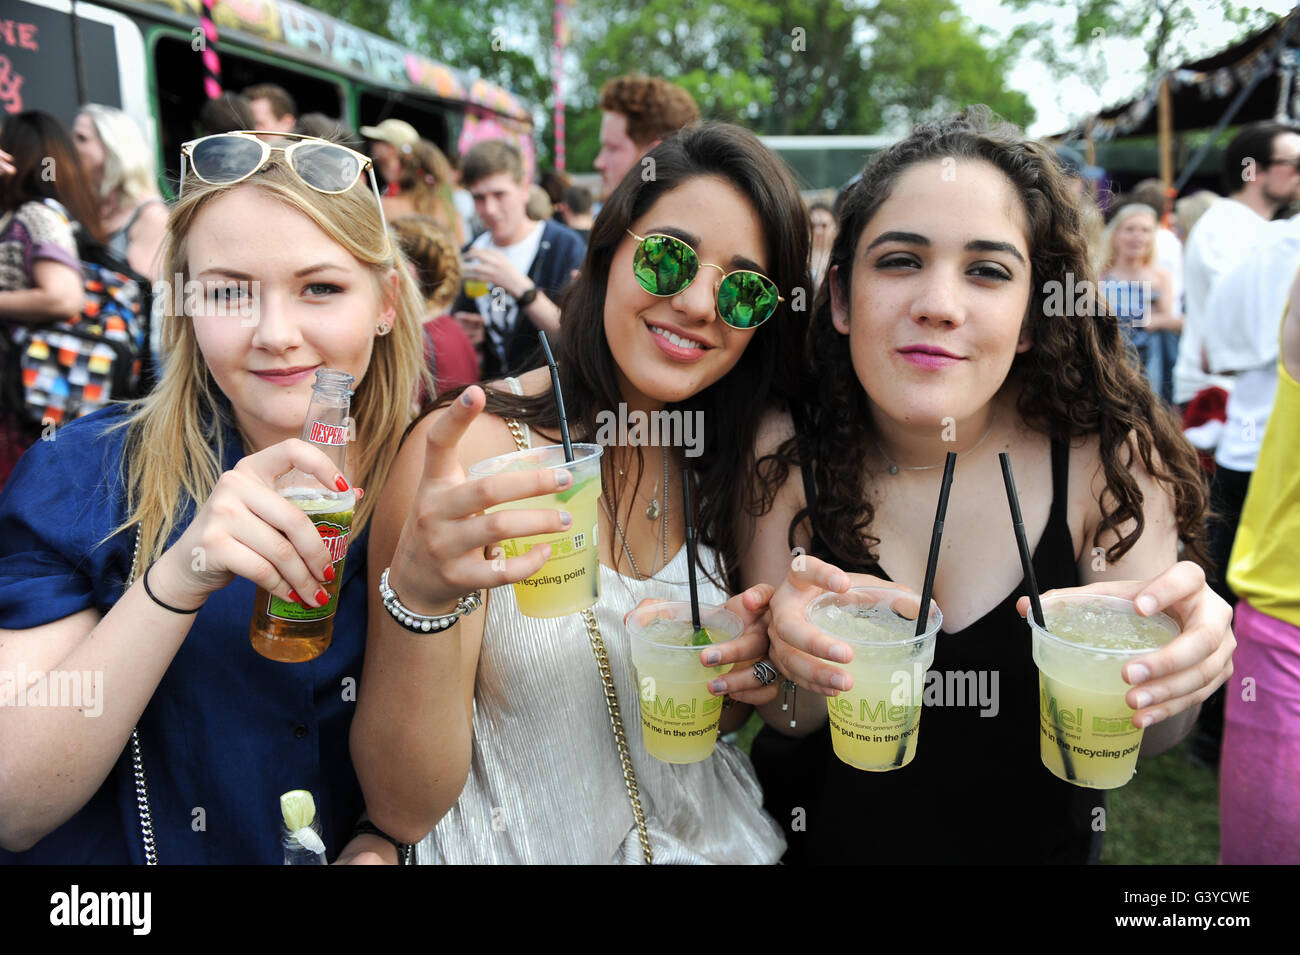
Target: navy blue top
point(227, 731)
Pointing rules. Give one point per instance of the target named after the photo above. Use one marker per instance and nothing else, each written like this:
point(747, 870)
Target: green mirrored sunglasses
point(666, 266)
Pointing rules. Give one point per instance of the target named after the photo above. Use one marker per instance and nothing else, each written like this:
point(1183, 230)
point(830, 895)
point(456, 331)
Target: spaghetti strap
point(1060, 484)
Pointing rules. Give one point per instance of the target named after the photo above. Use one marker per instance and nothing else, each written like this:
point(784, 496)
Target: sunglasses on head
point(227, 158)
point(666, 266)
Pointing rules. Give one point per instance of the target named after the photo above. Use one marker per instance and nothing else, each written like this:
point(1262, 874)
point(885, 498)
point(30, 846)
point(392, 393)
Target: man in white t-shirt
point(523, 263)
point(1261, 174)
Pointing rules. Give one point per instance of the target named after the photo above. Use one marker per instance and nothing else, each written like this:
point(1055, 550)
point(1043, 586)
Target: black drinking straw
point(1036, 606)
point(690, 547)
point(931, 565)
point(559, 397)
point(936, 535)
point(1026, 561)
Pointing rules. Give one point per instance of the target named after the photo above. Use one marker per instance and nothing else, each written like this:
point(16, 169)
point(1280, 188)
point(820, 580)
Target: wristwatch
point(528, 297)
point(405, 852)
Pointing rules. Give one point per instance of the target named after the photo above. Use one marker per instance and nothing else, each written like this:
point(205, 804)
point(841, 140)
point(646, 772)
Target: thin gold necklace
point(895, 468)
point(663, 527)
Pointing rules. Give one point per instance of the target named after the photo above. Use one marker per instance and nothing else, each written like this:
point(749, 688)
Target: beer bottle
point(281, 629)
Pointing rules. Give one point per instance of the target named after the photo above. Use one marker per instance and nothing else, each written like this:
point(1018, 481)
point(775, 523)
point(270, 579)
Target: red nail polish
point(322, 597)
point(294, 597)
point(329, 573)
point(341, 484)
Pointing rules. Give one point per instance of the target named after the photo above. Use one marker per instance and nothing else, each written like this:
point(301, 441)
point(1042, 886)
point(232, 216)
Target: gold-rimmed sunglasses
point(664, 265)
point(227, 158)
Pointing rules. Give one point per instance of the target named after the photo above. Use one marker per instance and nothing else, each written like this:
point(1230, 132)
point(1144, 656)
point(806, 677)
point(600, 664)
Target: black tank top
point(976, 792)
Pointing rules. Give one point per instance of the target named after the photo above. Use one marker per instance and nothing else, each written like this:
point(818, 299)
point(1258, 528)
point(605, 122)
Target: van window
point(179, 72)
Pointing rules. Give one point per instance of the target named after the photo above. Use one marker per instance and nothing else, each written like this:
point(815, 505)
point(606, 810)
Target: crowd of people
point(132, 538)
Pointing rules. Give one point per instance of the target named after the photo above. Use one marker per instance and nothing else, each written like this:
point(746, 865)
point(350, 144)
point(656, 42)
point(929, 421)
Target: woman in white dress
point(499, 726)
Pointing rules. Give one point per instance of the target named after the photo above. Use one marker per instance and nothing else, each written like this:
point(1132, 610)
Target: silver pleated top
point(546, 784)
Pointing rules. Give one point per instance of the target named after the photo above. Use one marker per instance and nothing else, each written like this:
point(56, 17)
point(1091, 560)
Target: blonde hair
point(428, 245)
point(426, 179)
point(128, 164)
point(174, 447)
point(1124, 214)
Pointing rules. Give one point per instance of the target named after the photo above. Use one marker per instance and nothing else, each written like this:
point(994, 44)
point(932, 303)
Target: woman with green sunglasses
point(500, 723)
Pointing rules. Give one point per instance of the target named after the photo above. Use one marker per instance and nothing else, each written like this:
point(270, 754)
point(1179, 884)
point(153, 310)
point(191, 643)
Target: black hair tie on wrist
point(159, 602)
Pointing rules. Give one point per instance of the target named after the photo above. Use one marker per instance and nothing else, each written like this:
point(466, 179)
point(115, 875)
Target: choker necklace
point(895, 468)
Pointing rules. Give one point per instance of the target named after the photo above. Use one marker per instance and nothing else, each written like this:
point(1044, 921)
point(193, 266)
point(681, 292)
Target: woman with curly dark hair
point(960, 314)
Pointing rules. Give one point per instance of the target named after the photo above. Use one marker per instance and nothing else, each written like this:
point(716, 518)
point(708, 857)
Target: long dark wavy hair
point(1076, 380)
point(46, 166)
point(765, 374)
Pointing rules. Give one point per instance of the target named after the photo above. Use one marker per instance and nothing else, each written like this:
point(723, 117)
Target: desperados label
point(334, 530)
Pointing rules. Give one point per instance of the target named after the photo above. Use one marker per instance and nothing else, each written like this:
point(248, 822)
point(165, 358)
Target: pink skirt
point(1259, 771)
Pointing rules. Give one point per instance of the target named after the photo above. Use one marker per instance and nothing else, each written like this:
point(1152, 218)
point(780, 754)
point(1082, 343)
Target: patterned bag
point(59, 371)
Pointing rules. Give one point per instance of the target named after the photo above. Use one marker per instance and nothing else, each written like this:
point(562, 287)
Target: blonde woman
point(116, 158)
point(181, 484)
point(1139, 292)
point(424, 187)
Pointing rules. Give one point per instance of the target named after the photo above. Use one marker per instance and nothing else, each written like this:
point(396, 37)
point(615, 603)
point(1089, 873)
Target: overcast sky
point(1060, 100)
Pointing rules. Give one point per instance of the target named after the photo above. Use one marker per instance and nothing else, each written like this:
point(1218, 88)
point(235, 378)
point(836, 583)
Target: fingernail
point(840, 681)
point(1144, 699)
point(1148, 720)
point(293, 595)
point(563, 478)
point(839, 653)
point(718, 686)
point(1137, 673)
point(712, 657)
point(322, 597)
point(1146, 604)
point(466, 399)
point(839, 582)
point(566, 518)
point(329, 573)
point(341, 484)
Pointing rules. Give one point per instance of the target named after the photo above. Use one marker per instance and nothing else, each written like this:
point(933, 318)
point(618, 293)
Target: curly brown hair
point(1076, 380)
point(655, 108)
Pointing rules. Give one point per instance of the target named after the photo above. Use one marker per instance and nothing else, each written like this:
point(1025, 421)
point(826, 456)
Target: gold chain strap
point(611, 698)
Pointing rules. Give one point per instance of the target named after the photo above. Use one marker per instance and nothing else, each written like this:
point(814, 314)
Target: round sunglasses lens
point(663, 265)
point(746, 299)
point(225, 159)
point(327, 167)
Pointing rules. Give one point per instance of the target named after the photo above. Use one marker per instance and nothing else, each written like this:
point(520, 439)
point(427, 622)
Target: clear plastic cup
point(570, 579)
point(679, 716)
point(1086, 730)
point(874, 726)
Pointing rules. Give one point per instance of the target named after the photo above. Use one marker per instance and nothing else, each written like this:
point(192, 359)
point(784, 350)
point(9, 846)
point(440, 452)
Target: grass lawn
point(1168, 814)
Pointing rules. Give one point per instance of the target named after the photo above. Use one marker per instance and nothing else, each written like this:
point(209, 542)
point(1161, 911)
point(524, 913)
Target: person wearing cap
point(389, 140)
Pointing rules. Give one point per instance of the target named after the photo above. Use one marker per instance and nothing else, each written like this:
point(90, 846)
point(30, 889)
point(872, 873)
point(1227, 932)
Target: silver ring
point(764, 672)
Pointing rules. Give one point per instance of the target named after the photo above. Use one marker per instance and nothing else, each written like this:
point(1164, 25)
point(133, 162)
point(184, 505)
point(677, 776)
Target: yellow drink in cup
point(679, 716)
point(570, 580)
point(1086, 730)
point(874, 726)
point(475, 288)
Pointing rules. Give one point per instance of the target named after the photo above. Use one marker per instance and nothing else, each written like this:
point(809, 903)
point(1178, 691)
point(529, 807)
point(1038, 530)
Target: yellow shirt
point(1265, 563)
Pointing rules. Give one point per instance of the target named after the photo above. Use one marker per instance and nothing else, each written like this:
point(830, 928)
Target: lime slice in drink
point(701, 638)
point(568, 493)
